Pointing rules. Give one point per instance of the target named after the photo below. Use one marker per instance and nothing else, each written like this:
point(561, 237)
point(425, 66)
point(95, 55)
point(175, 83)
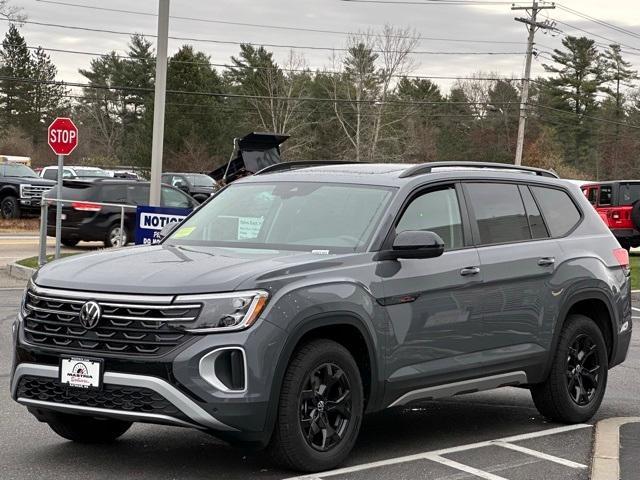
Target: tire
point(111, 237)
point(560, 398)
point(294, 444)
point(86, 429)
point(70, 242)
point(9, 207)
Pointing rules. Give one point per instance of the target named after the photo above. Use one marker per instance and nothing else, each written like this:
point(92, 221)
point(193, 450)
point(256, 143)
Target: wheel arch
point(592, 303)
point(333, 326)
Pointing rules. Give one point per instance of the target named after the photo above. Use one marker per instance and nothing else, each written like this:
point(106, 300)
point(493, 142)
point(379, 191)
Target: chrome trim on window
point(183, 403)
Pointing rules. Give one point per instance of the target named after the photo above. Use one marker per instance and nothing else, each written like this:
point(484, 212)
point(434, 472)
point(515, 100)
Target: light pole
point(158, 103)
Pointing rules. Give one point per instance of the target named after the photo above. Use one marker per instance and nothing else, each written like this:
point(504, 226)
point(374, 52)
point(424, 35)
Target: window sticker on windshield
point(249, 227)
point(184, 232)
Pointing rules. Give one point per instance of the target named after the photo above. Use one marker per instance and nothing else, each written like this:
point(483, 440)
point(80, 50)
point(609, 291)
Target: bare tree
point(395, 46)
point(11, 12)
point(354, 87)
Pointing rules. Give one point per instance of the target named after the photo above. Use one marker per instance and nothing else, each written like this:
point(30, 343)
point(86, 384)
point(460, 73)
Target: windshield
point(288, 216)
point(17, 170)
point(91, 172)
point(200, 180)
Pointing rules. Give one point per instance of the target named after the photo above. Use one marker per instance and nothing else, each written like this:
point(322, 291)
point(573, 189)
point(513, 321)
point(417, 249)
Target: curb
point(606, 454)
point(20, 272)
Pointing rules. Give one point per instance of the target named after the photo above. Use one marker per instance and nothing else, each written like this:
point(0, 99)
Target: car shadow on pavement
point(166, 453)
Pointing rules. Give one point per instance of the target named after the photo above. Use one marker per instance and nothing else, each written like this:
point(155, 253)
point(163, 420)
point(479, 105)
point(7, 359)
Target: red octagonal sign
point(62, 136)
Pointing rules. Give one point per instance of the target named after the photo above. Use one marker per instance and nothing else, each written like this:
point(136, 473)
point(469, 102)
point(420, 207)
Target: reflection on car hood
point(172, 270)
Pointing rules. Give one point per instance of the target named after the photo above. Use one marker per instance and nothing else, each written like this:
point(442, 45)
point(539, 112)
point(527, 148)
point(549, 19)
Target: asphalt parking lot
point(493, 435)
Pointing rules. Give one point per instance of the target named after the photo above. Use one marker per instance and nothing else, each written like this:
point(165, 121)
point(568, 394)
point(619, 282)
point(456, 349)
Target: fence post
point(121, 226)
point(44, 212)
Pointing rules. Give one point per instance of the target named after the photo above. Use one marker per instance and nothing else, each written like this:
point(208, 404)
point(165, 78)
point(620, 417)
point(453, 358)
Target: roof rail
point(284, 166)
point(428, 168)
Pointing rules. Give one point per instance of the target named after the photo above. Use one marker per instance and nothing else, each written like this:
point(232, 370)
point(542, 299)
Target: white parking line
point(463, 468)
point(430, 455)
point(636, 309)
point(544, 456)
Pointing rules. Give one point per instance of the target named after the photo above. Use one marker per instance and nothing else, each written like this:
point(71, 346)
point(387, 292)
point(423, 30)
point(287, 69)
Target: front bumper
point(197, 417)
point(175, 378)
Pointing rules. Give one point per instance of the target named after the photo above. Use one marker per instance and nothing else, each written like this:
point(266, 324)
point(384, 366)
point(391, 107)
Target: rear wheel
point(320, 408)
point(576, 384)
point(9, 207)
point(86, 429)
point(112, 237)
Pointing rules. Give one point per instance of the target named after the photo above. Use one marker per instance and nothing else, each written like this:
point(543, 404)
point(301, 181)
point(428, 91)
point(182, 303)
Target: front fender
point(303, 308)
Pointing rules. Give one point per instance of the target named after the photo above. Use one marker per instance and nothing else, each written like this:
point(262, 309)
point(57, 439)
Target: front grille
point(34, 191)
point(124, 328)
point(112, 397)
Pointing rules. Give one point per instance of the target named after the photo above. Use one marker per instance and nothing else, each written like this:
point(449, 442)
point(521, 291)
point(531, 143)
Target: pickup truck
point(21, 190)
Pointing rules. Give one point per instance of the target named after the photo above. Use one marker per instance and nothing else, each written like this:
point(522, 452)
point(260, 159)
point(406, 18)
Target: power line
point(244, 96)
point(599, 22)
point(275, 27)
point(283, 69)
point(270, 45)
point(432, 2)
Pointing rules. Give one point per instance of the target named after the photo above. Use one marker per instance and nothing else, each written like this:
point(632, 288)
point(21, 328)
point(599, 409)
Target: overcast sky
point(472, 23)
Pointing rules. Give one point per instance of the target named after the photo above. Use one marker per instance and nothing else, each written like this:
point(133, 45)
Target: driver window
point(437, 211)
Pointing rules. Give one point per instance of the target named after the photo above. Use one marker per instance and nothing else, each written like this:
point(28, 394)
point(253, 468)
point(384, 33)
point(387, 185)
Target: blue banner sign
point(150, 220)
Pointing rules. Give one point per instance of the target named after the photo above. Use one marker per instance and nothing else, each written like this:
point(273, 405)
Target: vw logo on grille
point(90, 314)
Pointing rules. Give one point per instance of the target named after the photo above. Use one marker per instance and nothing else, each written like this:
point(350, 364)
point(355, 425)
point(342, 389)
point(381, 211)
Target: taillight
point(617, 217)
point(622, 256)
point(86, 206)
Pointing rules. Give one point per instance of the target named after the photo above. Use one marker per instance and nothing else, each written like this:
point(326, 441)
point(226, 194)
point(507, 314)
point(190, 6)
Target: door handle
point(546, 261)
point(465, 272)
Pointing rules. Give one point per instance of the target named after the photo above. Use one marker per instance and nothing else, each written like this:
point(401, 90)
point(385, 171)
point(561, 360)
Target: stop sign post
point(62, 137)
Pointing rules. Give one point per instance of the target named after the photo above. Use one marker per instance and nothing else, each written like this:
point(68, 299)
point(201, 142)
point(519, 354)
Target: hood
point(40, 182)
point(165, 270)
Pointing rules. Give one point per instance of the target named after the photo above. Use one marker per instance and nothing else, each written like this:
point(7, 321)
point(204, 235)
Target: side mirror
point(414, 244)
point(168, 229)
point(183, 186)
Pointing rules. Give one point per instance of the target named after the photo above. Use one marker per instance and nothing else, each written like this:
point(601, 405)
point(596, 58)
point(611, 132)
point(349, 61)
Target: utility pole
point(158, 103)
point(532, 26)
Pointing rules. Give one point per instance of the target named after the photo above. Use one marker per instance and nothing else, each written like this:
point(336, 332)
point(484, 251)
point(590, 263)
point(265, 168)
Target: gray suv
point(298, 300)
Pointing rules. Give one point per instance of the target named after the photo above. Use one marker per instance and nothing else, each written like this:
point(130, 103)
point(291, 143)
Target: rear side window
point(536, 223)
point(606, 194)
point(560, 213)
point(138, 194)
point(499, 213)
point(50, 174)
point(114, 193)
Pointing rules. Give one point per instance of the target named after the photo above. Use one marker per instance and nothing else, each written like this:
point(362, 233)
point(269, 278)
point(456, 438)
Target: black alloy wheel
point(584, 367)
point(325, 407)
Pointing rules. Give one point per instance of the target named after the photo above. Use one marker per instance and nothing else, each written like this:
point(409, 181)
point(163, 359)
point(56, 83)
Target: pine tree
point(48, 98)
point(578, 78)
point(16, 70)
point(618, 74)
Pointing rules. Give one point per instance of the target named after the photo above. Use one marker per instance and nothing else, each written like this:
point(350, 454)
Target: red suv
point(617, 203)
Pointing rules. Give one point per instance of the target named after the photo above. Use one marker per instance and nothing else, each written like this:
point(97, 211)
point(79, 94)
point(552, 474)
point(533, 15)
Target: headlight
point(223, 312)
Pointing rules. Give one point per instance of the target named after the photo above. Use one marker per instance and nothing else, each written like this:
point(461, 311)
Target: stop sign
point(62, 136)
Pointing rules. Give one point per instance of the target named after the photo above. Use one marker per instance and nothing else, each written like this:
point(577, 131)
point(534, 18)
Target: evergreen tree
point(16, 68)
point(48, 98)
point(578, 78)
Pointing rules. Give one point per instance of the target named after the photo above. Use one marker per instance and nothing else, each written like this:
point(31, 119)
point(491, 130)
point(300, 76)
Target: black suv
point(198, 185)
point(84, 220)
point(21, 190)
point(299, 299)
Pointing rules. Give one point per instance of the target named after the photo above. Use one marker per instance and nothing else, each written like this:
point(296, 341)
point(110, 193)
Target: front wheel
point(576, 384)
point(320, 409)
point(10, 208)
point(86, 429)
